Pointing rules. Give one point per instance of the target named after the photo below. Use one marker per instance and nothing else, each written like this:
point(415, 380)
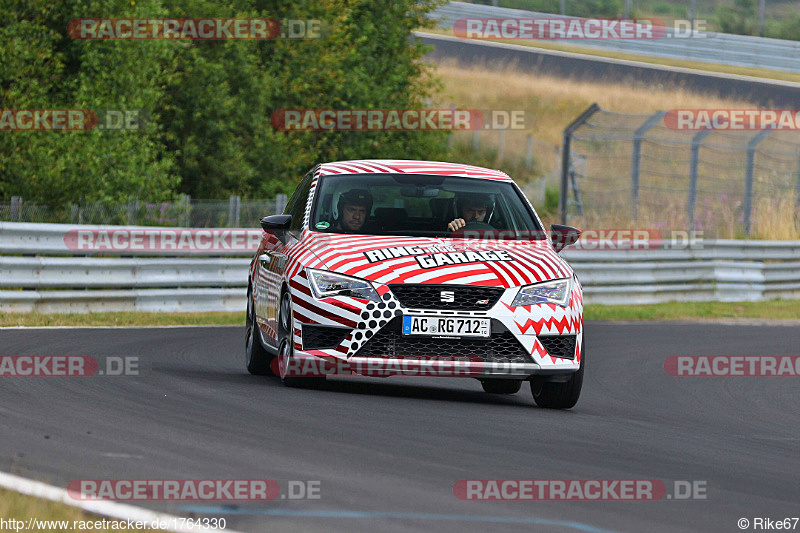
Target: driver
point(473, 208)
point(353, 209)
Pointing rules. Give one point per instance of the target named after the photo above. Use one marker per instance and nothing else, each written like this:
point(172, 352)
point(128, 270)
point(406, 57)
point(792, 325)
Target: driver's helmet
point(360, 197)
point(475, 199)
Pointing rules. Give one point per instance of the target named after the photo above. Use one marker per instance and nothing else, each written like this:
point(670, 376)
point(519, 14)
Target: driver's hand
point(456, 224)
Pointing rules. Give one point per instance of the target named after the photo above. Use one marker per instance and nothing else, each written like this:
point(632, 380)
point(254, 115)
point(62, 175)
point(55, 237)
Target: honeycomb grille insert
point(501, 347)
point(322, 337)
point(559, 345)
point(465, 297)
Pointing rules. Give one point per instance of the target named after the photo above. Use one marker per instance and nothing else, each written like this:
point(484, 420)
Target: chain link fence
point(627, 171)
point(186, 212)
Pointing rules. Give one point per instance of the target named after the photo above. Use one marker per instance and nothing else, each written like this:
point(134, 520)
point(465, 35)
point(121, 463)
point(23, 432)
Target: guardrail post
point(502, 149)
point(16, 208)
point(697, 140)
point(234, 206)
point(529, 153)
point(133, 208)
point(748, 180)
point(638, 136)
point(797, 200)
point(565, 158)
point(280, 203)
point(184, 217)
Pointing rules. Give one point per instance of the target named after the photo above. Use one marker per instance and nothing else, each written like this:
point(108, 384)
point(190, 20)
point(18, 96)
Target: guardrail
point(35, 275)
point(721, 48)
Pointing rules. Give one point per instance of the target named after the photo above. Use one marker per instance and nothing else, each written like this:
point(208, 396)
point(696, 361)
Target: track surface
point(397, 446)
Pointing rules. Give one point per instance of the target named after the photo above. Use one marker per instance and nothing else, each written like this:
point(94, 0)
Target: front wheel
point(553, 395)
point(286, 364)
point(257, 359)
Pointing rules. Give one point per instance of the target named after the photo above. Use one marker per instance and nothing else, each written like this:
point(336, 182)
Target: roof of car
point(403, 166)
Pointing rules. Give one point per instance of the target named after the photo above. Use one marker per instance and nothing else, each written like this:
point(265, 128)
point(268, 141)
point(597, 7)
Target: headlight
point(326, 284)
point(549, 292)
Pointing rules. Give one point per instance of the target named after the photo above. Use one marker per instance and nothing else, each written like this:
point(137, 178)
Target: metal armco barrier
point(721, 48)
point(35, 275)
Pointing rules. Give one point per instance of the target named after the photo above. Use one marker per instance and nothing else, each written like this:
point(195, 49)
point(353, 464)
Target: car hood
point(390, 259)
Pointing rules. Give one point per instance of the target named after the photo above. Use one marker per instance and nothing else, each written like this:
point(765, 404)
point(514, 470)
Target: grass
point(22, 507)
point(773, 309)
point(682, 63)
point(555, 102)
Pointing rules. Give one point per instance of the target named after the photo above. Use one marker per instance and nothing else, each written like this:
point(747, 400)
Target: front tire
point(501, 386)
point(553, 395)
point(286, 349)
point(257, 359)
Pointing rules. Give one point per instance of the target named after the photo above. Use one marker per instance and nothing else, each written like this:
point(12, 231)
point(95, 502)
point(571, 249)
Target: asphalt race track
point(388, 452)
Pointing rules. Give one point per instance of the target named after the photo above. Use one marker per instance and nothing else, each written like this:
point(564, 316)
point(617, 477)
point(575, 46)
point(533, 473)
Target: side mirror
point(563, 236)
point(277, 224)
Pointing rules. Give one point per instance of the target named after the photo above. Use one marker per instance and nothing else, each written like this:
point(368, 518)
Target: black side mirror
point(563, 236)
point(277, 224)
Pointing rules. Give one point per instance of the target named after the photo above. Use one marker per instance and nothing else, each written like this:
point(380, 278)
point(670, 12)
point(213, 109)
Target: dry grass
point(556, 102)
point(20, 507)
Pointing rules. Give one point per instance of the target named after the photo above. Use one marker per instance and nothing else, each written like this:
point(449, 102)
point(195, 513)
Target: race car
point(401, 268)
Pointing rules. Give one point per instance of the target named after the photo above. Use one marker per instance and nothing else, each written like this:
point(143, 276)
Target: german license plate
point(449, 326)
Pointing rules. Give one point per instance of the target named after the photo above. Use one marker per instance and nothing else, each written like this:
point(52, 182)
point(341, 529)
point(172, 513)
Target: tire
point(286, 347)
point(501, 386)
point(256, 358)
point(552, 395)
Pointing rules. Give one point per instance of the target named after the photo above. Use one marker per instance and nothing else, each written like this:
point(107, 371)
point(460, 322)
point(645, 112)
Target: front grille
point(465, 297)
point(322, 337)
point(559, 345)
point(500, 347)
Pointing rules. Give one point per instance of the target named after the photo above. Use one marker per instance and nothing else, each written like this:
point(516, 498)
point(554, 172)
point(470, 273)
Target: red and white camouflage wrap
point(386, 260)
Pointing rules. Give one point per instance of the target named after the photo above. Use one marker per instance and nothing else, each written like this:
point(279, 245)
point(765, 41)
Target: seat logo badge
point(448, 296)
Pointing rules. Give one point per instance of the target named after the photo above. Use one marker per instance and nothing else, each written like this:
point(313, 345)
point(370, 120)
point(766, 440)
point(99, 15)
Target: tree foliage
point(209, 102)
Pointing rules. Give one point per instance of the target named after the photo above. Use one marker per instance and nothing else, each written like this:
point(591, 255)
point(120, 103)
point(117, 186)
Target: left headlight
point(549, 292)
point(326, 284)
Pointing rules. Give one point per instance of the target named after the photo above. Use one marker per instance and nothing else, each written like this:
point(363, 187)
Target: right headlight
point(325, 284)
point(548, 292)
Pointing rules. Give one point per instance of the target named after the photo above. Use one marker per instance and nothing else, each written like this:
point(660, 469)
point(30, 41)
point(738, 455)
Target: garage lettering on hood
point(437, 259)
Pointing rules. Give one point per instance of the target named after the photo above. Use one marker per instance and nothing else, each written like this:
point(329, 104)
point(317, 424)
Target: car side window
point(296, 206)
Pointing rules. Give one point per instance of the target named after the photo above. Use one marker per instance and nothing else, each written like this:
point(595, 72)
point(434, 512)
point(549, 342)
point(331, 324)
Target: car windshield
point(423, 206)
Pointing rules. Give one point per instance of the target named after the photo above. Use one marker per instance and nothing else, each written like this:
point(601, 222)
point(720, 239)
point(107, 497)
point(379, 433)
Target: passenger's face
point(474, 212)
point(353, 217)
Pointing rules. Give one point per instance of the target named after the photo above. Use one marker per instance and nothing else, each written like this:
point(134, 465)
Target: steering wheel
point(472, 225)
point(477, 224)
